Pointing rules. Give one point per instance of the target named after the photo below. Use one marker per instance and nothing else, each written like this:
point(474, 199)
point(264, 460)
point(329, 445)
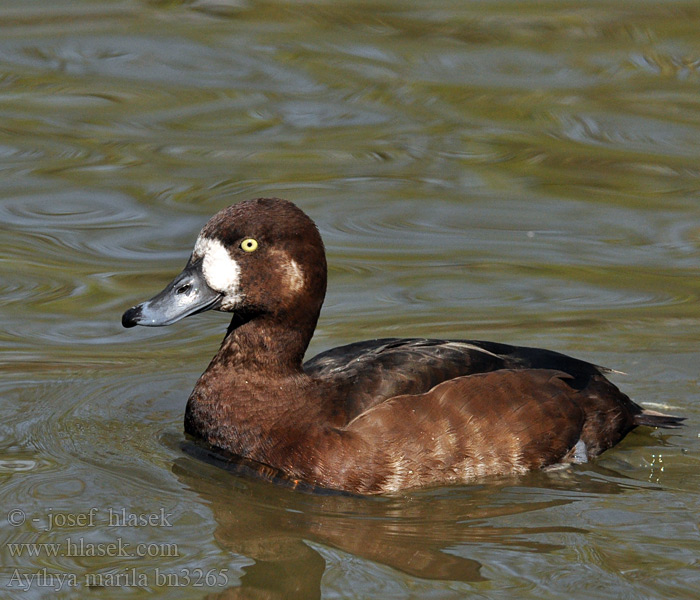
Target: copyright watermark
point(129, 577)
point(75, 543)
point(16, 517)
point(78, 545)
point(111, 517)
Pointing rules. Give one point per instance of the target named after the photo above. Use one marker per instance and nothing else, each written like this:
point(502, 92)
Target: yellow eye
point(249, 245)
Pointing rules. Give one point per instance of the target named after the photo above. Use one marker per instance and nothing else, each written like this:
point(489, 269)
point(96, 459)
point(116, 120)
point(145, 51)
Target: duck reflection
point(416, 534)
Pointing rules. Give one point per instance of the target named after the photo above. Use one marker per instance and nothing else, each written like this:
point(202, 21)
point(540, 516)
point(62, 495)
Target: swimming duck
point(374, 416)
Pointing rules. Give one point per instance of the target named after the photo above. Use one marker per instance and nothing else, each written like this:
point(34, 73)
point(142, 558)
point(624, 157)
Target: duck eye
point(249, 245)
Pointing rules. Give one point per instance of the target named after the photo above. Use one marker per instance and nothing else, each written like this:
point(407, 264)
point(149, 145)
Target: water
point(521, 172)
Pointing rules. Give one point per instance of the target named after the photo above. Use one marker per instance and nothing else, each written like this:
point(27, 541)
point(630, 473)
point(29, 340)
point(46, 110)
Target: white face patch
point(290, 270)
point(221, 272)
point(296, 276)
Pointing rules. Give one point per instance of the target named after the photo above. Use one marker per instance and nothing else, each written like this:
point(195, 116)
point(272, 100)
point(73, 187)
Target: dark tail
point(651, 418)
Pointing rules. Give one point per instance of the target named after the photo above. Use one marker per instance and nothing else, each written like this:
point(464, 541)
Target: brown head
point(261, 259)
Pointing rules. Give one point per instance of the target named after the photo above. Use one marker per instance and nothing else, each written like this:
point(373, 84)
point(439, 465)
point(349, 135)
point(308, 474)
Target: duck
point(371, 417)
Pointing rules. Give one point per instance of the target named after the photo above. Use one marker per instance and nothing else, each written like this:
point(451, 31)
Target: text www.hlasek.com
point(80, 548)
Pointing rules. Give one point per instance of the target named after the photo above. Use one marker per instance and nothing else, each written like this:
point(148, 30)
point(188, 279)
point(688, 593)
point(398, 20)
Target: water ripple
point(631, 133)
point(77, 209)
point(144, 58)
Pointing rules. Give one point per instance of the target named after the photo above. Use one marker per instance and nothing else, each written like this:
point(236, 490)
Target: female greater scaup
point(375, 416)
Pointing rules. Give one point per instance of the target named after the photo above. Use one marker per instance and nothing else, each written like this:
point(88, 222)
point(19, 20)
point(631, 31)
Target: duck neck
point(255, 385)
point(264, 345)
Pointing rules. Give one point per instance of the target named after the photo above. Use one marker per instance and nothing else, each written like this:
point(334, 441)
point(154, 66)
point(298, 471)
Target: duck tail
point(652, 418)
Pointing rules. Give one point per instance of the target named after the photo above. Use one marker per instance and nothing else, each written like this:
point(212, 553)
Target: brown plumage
point(375, 416)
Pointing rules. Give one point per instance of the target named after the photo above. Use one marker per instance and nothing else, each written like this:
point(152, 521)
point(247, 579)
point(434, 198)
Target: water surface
point(515, 171)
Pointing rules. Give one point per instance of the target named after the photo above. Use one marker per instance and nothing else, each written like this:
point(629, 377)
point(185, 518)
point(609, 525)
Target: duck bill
point(186, 295)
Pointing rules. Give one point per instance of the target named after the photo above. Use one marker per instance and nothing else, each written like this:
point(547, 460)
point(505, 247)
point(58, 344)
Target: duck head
point(259, 259)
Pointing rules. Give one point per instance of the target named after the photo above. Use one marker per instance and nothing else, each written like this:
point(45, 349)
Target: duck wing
point(364, 374)
point(498, 423)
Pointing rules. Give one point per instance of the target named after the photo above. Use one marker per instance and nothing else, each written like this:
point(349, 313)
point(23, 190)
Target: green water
point(524, 172)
